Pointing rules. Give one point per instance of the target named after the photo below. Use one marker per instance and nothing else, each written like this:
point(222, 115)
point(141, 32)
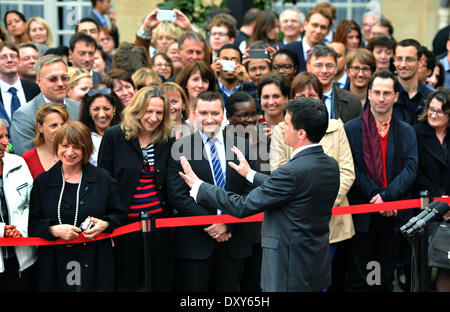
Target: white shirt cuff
point(143, 33)
point(250, 175)
point(194, 190)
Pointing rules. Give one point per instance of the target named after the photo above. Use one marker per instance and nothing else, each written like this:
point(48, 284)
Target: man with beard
point(412, 93)
point(230, 79)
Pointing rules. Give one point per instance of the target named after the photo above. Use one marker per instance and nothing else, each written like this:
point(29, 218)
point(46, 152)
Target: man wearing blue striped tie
point(208, 258)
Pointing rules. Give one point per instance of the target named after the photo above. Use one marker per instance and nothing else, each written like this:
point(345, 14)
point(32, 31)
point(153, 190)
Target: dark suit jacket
point(346, 105)
point(192, 242)
point(297, 48)
point(96, 78)
point(433, 173)
point(399, 185)
point(30, 88)
point(297, 199)
point(124, 160)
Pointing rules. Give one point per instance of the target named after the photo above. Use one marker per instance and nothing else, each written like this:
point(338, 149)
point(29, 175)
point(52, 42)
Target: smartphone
point(227, 65)
point(166, 15)
point(258, 54)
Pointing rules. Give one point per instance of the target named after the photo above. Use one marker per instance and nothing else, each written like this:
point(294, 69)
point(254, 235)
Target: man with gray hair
point(192, 47)
point(53, 79)
point(291, 24)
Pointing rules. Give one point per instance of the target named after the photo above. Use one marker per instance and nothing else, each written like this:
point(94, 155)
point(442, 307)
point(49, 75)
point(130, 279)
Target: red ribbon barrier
point(212, 219)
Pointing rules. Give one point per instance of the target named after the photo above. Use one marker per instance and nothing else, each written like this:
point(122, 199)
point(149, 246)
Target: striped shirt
point(145, 198)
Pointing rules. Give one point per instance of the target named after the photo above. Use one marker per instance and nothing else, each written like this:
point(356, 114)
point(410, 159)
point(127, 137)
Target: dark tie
point(15, 102)
point(219, 177)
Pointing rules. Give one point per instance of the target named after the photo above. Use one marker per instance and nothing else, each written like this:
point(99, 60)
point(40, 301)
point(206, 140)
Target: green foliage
point(263, 4)
point(195, 10)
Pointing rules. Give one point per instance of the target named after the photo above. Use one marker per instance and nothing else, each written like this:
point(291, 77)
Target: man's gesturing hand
point(243, 168)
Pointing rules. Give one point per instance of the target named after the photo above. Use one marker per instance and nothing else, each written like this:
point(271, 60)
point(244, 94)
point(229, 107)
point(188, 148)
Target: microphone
point(420, 215)
point(438, 211)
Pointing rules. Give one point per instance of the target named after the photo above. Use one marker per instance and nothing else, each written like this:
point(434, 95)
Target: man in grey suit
point(52, 78)
point(297, 199)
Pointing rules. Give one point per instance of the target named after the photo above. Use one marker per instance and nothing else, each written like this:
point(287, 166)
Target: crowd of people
point(92, 133)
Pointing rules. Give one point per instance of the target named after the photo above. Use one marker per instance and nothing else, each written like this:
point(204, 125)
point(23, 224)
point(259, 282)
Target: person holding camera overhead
point(75, 199)
point(231, 74)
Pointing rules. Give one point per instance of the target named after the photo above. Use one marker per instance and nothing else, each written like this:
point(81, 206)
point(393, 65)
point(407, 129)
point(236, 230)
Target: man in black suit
point(297, 200)
point(340, 104)
point(82, 53)
point(208, 258)
point(15, 92)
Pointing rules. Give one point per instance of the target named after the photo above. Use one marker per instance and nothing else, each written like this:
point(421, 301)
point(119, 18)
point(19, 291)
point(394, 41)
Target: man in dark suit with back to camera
point(297, 199)
point(208, 258)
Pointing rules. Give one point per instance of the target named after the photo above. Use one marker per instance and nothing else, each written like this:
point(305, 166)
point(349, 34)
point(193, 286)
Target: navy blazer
point(399, 185)
point(434, 163)
point(297, 200)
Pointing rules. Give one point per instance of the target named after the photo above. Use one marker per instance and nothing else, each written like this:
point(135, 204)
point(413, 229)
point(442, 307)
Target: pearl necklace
point(77, 203)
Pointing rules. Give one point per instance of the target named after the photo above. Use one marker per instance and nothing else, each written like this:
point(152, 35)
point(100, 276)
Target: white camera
point(166, 15)
point(87, 224)
point(227, 65)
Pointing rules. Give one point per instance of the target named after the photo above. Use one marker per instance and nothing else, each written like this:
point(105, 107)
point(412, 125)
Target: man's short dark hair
point(208, 96)
point(237, 97)
point(27, 45)
point(87, 19)
point(233, 47)
point(310, 115)
point(384, 74)
point(250, 16)
point(81, 36)
point(321, 51)
point(10, 45)
point(430, 58)
point(414, 43)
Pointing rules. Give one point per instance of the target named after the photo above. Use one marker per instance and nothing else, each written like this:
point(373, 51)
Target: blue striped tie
point(15, 102)
point(219, 176)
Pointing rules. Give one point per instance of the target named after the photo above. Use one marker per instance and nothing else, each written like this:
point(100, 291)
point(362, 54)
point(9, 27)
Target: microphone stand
point(420, 272)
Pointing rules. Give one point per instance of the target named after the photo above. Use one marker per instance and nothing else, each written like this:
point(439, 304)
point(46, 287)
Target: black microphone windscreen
point(442, 208)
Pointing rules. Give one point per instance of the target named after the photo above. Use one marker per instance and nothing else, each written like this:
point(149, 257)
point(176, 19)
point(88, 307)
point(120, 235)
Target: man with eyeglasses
point(384, 151)
point(412, 93)
point(361, 64)
point(82, 49)
point(15, 92)
point(222, 31)
point(53, 80)
point(340, 104)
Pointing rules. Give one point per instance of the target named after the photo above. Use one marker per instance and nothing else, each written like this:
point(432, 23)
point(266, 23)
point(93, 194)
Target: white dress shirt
point(7, 96)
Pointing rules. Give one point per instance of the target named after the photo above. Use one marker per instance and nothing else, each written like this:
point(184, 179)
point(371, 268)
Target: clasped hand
point(69, 232)
point(12, 231)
